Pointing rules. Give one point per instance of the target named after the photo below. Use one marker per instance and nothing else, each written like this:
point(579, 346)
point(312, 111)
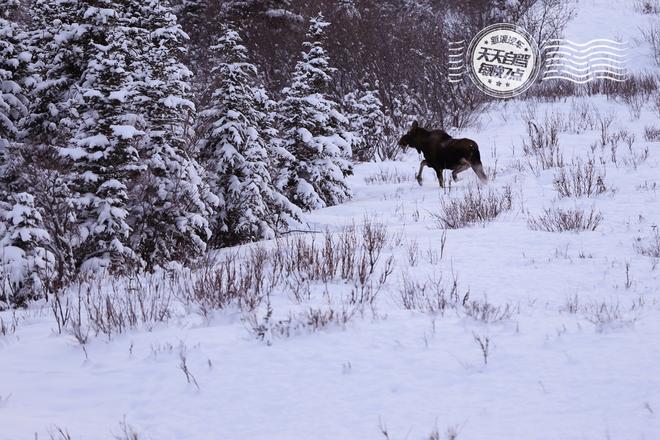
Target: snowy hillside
point(527, 308)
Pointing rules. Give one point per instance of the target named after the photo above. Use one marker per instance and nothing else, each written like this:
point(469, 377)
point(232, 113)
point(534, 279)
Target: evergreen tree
point(13, 59)
point(23, 251)
point(60, 41)
point(170, 202)
point(236, 151)
point(314, 130)
point(104, 147)
point(367, 121)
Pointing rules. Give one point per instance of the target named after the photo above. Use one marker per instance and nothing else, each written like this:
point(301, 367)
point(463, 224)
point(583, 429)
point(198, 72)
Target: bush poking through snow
point(541, 146)
point(484, 344)
point(350, 261)
point(560, 220)
point(112, 305)
point(387, 177)
point(651, 133)
point(649, 247)
point(432, 296)
point(486, 312)
point(647, 6)
point(478, 206)
point(606, 315)
point(435, 296)
point(59, 433)
point(580, 179)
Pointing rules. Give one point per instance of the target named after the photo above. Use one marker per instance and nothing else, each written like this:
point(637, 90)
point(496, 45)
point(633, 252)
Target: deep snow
point(551, 374)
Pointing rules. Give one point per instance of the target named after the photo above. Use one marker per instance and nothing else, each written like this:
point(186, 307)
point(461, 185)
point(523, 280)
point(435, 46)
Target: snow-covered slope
point(571, 319)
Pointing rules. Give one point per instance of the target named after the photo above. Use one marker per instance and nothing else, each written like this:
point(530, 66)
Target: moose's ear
point(415, 125)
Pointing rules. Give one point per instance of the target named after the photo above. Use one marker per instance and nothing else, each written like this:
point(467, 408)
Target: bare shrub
point(651, 133)
point(643, 84)
point(437, 296)
point(651, 34)
point(650, 246)
point(477, 206)
point(656, 103)
point(604, 123)
point(59, 433)
point(647, 6)
point(580, 179)
point(608, 314)
point(387, 176)
point(541, 146)
point(486, 312)
point(127, 432)
point(484, 344)
point(635, 103)
point(388, 146)
point(9, 327)
point(431, 296)
point(183, 366)
point(350, 259)
point(227, 281)
point(560, 220)
point(581, 117)
point(635, 157)
point(112, 305)
point(312, 319)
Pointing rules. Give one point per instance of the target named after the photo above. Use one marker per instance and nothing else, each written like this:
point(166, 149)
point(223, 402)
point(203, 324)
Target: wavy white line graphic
point(564, 41)
point(581, 63)
point(456, 61)
point(591, 48)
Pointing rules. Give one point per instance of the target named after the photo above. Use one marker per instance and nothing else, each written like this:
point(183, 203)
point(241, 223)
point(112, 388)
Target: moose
point(442, 152)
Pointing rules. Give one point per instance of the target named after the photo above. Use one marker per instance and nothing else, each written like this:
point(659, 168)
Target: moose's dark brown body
point(442, 152)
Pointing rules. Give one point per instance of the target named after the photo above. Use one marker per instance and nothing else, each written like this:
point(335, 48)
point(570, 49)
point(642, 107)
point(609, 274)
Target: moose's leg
point(419, 174)
point(464, 165)
point(438, 171)
point(479, 169)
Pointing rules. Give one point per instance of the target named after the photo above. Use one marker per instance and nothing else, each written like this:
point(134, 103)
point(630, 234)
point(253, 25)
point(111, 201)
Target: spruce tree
point(313, 130)
point(13, 58)
point(367, 121)
point(236, 151)
point(26, 262)
point(104, 147)
point(170, 202)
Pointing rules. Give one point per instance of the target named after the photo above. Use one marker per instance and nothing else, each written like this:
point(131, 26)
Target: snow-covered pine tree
point(104, 153)
point(13, 59)
point(58, 41)
point(367, 121)
point(313, 130)
point(25, 260)
point(236, 152)
point(170, 202)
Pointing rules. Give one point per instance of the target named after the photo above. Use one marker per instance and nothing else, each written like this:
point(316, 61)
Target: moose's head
point(410, 139)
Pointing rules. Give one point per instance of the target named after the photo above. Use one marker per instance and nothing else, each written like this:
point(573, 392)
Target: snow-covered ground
point(575, 356)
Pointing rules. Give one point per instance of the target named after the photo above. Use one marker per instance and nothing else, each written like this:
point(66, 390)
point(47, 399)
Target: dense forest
point(135, 133)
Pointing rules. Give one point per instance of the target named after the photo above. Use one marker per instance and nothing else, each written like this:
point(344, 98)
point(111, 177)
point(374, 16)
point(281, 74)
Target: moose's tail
point(477, 166)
